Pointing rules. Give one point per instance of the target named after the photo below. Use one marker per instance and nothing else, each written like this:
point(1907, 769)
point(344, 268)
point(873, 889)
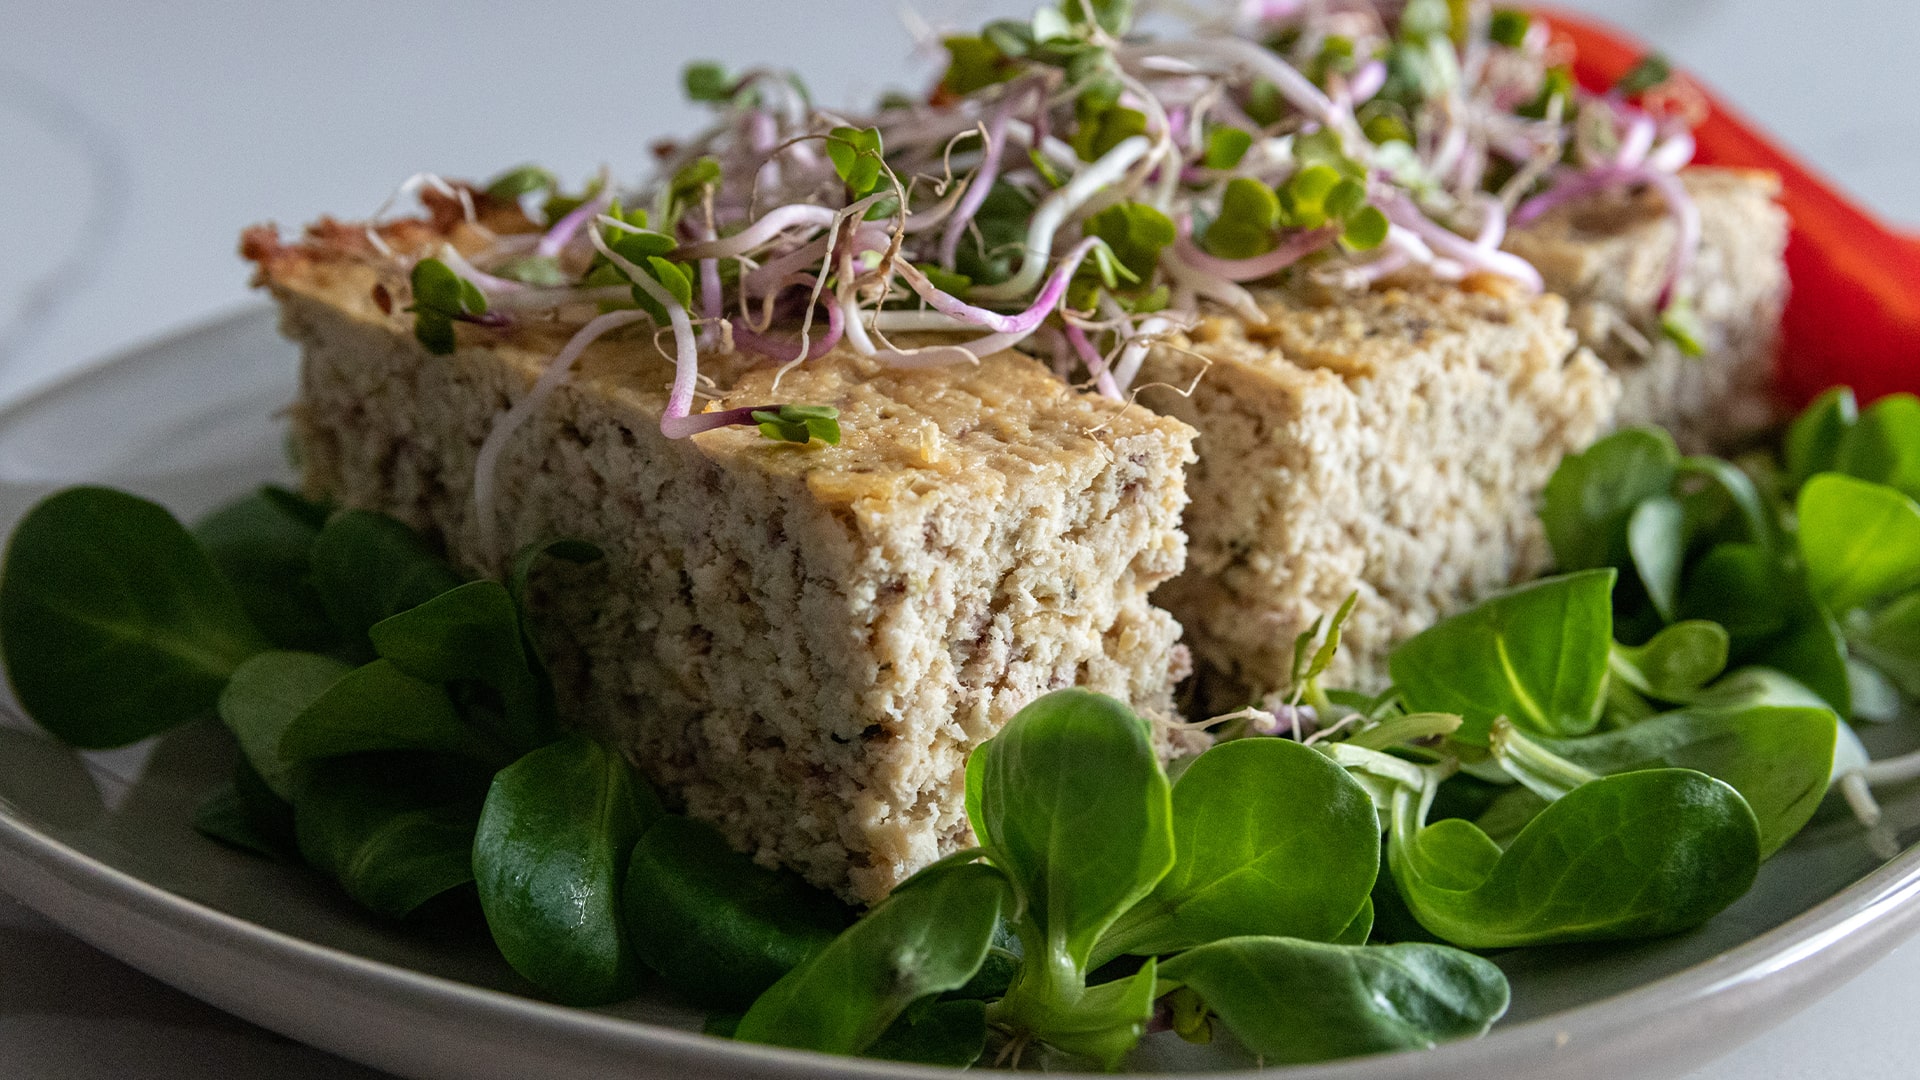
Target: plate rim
point(1765, 978)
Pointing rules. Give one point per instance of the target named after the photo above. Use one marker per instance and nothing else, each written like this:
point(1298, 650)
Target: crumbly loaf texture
point(1392, 443)
point(799, 645)
point(1608, 255)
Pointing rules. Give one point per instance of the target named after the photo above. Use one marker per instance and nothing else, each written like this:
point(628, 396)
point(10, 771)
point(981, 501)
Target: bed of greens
point(1603, 755)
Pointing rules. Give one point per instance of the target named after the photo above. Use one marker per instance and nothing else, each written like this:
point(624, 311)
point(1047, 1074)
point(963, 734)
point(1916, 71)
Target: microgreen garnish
point(1508, 27)
point(856, 157)
point(439, 298)
point(1651, 71)
point(707, 81)
point(800, 423)
point(525, 180)
point(1225, 147)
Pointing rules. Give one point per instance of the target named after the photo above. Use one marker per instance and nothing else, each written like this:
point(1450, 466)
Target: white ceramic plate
point(101, 844)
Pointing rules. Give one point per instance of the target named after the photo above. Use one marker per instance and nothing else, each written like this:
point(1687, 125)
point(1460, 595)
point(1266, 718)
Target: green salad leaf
point(1271, 838)
point(1536, 655)
point(549, 857)
point(1294, 1001)
point(714, 924)
point(929, 936)
point(114, 623)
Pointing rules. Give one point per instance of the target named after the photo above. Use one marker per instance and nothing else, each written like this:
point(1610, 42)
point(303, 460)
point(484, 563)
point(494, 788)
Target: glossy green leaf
point(1737, 586)
point(950, 1033)
point(1271, 838)
point(368, 566)
point(396, 830)
point(549, 858)
point(247, 815)
point(260, 544)
point(1101, 1023)
point(471, 632)
point(1860, 540)
point(114, 623)
point(928, 937)
point(379, 707)
point(1890, 640)
point(1884, 445)
point(263, 699)
point(1070, 801)
point(1293, 1002)
point(1593, 494)
point(1811, 647)
point(1676, 663)
point(1536, 654)
point(1656, 541)
point(1813, 440)
point(714, 924)
point(1778, 759)
point(1635, 855)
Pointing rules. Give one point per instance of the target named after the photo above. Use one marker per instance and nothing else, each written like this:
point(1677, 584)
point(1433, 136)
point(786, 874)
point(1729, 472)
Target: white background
point(138, 138)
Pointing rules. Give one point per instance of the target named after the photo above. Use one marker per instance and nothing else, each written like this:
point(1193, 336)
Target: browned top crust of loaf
point(966, 424)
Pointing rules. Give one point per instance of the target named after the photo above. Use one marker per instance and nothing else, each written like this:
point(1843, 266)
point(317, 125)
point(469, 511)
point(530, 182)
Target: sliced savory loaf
point(1608, 256)
point(1392, 443)
point(799, 644)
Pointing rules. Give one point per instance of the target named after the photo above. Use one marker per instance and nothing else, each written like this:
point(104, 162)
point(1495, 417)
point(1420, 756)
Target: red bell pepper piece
point(1854, 314)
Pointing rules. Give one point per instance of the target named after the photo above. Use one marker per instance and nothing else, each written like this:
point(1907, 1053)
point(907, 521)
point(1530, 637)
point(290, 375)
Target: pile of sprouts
point(1071, 189)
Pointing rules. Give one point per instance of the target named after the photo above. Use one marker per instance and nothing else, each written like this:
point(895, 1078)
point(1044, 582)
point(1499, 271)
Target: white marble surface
point(137, 138)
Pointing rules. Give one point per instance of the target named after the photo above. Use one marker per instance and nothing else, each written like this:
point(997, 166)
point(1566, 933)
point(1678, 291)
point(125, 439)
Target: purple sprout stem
point(564, 230)
point(1291, 250)
point(791, 352)
point(983, 177)
point(1025, 321)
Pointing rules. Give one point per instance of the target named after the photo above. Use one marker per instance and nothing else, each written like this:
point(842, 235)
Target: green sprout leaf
point(439, 298)
point(1225, 147)
point(1651, 71)
point(800, 423)
point(1249, 214)
point(707, 81)
point(1106, 129)
point(974, 63)
point(1509, 27)
point(1136, 232)
point(857, 158)
point(1365, 230)
point(516, 183)
point(1682, 326)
